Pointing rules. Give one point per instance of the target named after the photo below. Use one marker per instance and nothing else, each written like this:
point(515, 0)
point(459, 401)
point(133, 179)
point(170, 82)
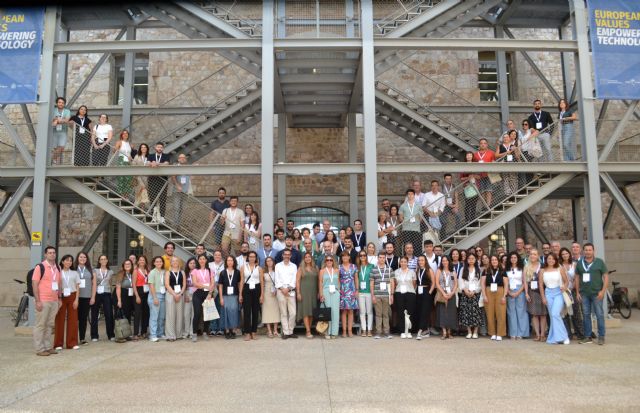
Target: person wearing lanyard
point(61, 116)
point(403, 289)
point(394, 220)
point(553, 282)
point(101, 137)
point(82, 137)
point(493, 284)
point(157, 292)
point(251, 296)
point(364, 295)
point(591, 290)
point(516, 300)
point(141, 292)
point(451, 214)
point(157, 187)
point(182, 185)
point(228, 291)
point(576, 317)
point(141, 195)
point(372, 258)
point(380, 284)
point(265, 251)
point(270, 307)
point(187, 312)
point(540, 120)
point(46, 293)
point(348, 293)
point(447, 285)
point(410, 214)
point(424, 297)
point(101, 290)
point(69, 309)
point(124, 291)
point(204, 284)
point(307, 293)
point(384, 229)
point(329, 285)
point(535, 306)
point(216, 267)
point(470, 314)
point(253, 232)
point(359, 237)
point(233, 219)
point(85, 291)
point(175, 283)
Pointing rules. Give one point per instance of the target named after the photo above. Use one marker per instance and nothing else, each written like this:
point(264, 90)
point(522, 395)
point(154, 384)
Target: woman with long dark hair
point(251, 296)
point(101, 137)
point(553, 283)
point(141, 292)
point(68, 312)
point(124, 290)
point(228, 290)
point(85, 291)
point(494, 282)
point(140, 183)
point(424, 297)
point(516, 298)
point(203, 282)
point(447, 285)
point(470, 315)
point(102, 298)
point(82, 137)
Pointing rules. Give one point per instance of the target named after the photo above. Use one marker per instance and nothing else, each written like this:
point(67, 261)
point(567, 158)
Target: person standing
point(266, 250)
point(410, 213)
point(451, 213)
point(251, 294)
point(182, 190)
point(46, 292)
point(233, 220)
point(189, 267)
point(175, 283)
point(156, 300)
point(307, 293)
point(359, 237)
point(141, 194)
point(101, 137)
point(270, 308)
point(329, 285)
point(141, 291)
point(364, 294)
point(424, 297)
point(516, 299)
point(218, 205)
point(591, 291)
point(494, 282)
point(535, 305)
point(169, 250)
point(253, 232)
point(348, 293)
point(158, 184)
point(124, 290)
point(102, 288)
point(433, 205)
point(447, 284)
point(216, 267)
point(204, 285)
point(85, 291)
point(82, 137)
point(285, 281)
point(576, 317)
point(122, 153)
point(228, 290)
point(553, 282)
point(61, 116)
point(382, 299)
point(403, 289)
point(69, 307)
point(470, 314)
point(540, 120)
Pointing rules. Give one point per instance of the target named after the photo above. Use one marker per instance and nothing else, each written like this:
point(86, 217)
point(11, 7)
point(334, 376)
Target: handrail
point(391, 17)
point(431, 112)
point(257, 26)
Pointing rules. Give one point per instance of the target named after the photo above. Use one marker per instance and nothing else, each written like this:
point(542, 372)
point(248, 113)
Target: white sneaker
point(468, 336)
point(153, 339)
point(418, 337)
point(58, 348)
point(409, 335)
point(403, 335)
point(426, 335)
point(419, 333)
point(161, 220)
point(162, 337)
point(95, 340)
point(499, 338)
point(376, 337)
point(389, 336)
point(76, 347)
point(493, 337)
point(566, 342)
point(474, 336)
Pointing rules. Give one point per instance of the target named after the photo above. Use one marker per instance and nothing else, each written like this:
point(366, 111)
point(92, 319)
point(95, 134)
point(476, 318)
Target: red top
point(141, 280)
point(485, 157)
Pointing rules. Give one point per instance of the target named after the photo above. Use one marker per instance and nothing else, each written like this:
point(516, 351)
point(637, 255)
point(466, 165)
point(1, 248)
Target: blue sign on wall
point(20, 47)
point(615, 43)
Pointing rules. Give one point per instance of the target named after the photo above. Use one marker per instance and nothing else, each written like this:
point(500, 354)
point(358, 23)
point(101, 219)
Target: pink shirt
point(51, 275)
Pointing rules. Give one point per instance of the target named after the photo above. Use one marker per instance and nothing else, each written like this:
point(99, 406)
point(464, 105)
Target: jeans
point(219, 324)
point(555, 304)
point(517, 316)
point(156, 317)
point(591, 302)
point(545, 142)
point(567, 136)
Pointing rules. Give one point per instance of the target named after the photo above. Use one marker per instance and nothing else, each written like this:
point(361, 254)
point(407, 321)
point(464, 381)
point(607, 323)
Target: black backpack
point(30, 277)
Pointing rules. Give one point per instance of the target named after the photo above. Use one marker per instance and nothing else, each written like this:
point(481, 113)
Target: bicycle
point(21, 313)
point(618, 300)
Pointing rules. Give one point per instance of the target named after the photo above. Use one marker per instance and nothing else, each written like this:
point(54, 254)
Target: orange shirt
point(45, 285)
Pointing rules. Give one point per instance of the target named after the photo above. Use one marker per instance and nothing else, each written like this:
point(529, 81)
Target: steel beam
point(353, 158)
point(282, 158)
point(535, 227)
point(129, 74)
point(27, 119)
point(102, 227)
point(601, 115)
point(268, 96)
point(15, 136)
point(604, 153)
point(53, 233)
point(476, 44)
point(609, 217)
point(13, 202)
point(503, 82)
point(578, 228)
point(566, 71)
point(619, 197)
point(23, 225)
point(216, 22)
point(422, 19)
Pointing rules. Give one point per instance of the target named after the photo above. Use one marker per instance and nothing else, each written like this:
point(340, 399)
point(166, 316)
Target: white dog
point(407, 326)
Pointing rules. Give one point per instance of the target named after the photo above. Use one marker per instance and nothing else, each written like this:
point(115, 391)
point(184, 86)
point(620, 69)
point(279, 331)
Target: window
point(305, 217)
point(488, 76)
point(114, 249)
point(140, 79)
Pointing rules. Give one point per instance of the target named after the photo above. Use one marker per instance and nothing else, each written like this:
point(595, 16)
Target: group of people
point(465, 291)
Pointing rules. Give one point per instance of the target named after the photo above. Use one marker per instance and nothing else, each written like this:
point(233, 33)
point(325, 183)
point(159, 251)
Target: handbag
point(209, 310)
point(532, 147)
point(431, 235)
point(470, 191)
point(481, 302)
point(122, 327)
point(568, 302)
point(323, 315)
point(440, 297)
point(494, 177)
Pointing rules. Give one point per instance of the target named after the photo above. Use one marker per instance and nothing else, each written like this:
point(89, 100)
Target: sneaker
point(42, 353)
point(95, 340)
point(566, 342)
point(586, 340)
point(76, 347)
point(219, 333)
point(153, 339)
point(600, 341)
point(418, 337)
point(409, 335)
point(389, 336)
point(419, 333)
point(83, 342)
point(468, 336)
point(474, 336)
point(499, 338)
point(403, 335)
point(194, 339)
point(493, 337)
point(328, 337)
point(112, 339)
point(426, 335)
point(51, 351)
point(376, 337)
point(284, 336)
point(58, 348)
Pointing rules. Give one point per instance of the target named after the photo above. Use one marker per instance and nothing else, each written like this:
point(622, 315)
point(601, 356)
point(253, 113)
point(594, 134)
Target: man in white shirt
point(279, 243)
point(244, 253)
point(433, 205)
point(451, 219)
point(285, 282)
point(233, 219)
point(417, 188)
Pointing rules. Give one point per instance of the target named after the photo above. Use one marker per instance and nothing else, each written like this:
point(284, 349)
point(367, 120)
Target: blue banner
point(615, 43)
point(20, 47)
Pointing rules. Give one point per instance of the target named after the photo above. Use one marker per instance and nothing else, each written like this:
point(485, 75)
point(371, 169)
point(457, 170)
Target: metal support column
point(567, 82)
point(578, 229)
point(282, 158)
point(587, 121)
point(268, 75)
point(53, 234)
point(123, 244)
point(609, 217)
point(129, 74)
point(102, 227)
point(62, 61)
point(40, 201)
point(503, 82)
point(369, 115)
point(353, 158)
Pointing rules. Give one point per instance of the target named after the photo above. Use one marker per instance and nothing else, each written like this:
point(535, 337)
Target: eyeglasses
point(363, 255)
point(329, 259)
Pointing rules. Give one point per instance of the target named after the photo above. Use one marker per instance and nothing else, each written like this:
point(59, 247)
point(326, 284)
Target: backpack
point(30, 278)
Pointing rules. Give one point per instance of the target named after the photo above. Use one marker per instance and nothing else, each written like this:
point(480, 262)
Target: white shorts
point(59, 139)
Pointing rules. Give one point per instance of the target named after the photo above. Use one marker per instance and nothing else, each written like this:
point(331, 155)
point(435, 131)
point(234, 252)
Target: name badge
point(177, 289)
point(183, 180)
point(82, 130)
point(534, 285)
point(480, 161)
point(100, 289)
point(358, 249)
point(252, 286)
point(58, 128)
point(413, 219)
point(130, 292)
point(420, 290)
point(292, 293)
point(449, 200)
point(163, 290)
point(586, 277)
point(383, 286)
point(513, 284)
point(332, 289)
point(403, 289)
point(394, 233)
point(229, 290)
point(145, 288)
point(509, 158)
point(82, 282)
point(494, 287)
point(232, 225)
point(538, 125)
point(54, 285)
point(363, 285)
point(66, 292)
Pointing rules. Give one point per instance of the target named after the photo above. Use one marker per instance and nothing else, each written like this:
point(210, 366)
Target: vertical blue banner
point(20, 49)
point(615, 43)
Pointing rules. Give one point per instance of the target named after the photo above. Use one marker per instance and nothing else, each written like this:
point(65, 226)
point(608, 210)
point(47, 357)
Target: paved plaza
point(344, 375)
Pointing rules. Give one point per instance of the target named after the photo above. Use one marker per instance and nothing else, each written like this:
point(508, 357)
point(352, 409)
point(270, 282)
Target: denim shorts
point(485, 185)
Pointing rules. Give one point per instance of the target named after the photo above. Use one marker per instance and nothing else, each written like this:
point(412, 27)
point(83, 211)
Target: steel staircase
point(397, 19)
point(217, 124)
point(503, 209)
point(420, 126)
point(438, 21)
point(245, 25)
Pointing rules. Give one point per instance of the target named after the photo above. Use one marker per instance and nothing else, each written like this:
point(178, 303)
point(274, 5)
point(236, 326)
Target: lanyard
point(458, 267)
point(537, 115)
point(203, 277)
point(143, 274)
point(65, 277)
point(494, 276)
point(233, 217)
point(562, 114)
point(393, 222)
point(251, 271)
point(230, 278)
point(158, 158)
point(422, 271)
point(103, 276)
point(381, 273)
point(411, 208)
point(175, 276)
point(358, 238)
point(388, 261)
point(404, 275)
point(446, 190)
point(81, 272)
point(363, 273)
point(330, 273)
point(60, 114)
point(54, 271)
point(482, 156)
point(264, 252)
point(129, 278)
point(584, 265)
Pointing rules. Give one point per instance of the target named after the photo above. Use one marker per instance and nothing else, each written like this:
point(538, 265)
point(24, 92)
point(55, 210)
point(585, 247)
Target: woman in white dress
point(141, 194)
point(122, 152)
point(101, 136)
point(270, 307)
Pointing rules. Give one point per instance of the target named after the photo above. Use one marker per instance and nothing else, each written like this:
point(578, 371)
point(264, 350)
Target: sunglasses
point(330, 259)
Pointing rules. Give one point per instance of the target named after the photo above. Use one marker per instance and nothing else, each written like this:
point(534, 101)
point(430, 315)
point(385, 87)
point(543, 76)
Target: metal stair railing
point(389, 21)
point(251, 27)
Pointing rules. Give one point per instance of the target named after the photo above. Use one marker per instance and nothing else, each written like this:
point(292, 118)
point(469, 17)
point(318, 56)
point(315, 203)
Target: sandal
point(363, 334)
point(444, 337)
point(270, 335)
point(369, 334)
point(309, 335)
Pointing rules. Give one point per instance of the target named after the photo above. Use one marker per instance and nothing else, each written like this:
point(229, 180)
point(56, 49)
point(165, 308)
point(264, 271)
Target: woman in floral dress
point(348, 293)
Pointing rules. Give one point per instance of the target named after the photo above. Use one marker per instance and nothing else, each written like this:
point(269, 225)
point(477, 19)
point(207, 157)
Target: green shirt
point(156, 277)
point(364, 276)
point(596, 272)
point(411, 213)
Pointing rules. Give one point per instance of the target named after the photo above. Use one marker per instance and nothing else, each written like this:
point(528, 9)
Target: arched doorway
point(305, 217)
